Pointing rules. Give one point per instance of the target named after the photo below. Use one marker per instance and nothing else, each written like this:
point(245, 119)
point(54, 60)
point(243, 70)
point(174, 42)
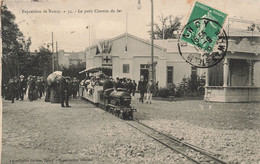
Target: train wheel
point(121, 115)
point(130, 116)
point(114, 111)
point(117, 112)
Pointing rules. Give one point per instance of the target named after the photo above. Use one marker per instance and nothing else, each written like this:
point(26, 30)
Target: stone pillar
point(206, 84)
point(251, 72)
point(225, 72)
point(207, 78)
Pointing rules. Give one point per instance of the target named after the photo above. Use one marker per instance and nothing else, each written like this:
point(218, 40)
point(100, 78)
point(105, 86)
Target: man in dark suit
point(107, 84)
point(65, 90)
point(22, 87)
point(17, 87)
point(31, 87)
point(75, 86)
point(11, 89)
point(142, 88)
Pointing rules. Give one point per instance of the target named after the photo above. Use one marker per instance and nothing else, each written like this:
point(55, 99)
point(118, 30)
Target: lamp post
point(152, 36)
point(52, 51)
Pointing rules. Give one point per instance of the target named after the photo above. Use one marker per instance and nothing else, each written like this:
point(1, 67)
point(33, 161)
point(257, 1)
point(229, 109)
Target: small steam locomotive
point(117, 102)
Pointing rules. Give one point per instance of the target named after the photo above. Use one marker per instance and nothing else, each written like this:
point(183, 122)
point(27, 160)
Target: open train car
point(117, 102)
point(90, 88)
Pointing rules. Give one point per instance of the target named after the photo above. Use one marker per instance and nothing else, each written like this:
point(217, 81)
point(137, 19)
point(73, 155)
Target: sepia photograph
point(130, 81)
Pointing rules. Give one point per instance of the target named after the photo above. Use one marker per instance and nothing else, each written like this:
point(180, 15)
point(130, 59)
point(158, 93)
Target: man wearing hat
point(117, 83)
point(31, 87)
point(75, 86)
point(65, 90)
point(39, 87)
point(11, 89)
point(142, 88)
point(16, 87)
point(22, 87)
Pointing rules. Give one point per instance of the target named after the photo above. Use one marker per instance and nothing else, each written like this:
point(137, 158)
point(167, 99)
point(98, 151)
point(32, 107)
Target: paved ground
point(206, 114)
point(40, 131)
point(37, 132)
point(229, 129)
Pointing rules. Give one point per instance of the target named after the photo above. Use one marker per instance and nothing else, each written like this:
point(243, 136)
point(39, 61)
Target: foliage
point(189, 87)
point(253, 27)
point(165, 91)
point(14, 46)
point(73, 70)
point(166, 28)
point(172, 89)
point(17, 58)
point(44, 57)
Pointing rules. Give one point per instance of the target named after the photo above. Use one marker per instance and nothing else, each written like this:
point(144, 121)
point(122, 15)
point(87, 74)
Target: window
point(170, 74)
point(144, 66)
point(125, 68)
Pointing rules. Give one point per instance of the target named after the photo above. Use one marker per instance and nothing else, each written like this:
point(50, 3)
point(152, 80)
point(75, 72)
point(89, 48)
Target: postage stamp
point(203, 27)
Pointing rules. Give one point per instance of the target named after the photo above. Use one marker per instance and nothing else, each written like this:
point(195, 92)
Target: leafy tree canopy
point(14, 47)
point(166, 27)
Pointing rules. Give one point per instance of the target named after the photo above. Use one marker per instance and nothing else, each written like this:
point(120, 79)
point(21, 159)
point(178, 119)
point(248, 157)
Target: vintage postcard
point(130, 81)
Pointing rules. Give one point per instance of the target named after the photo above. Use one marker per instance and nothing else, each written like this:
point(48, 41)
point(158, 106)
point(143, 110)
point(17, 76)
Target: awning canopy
point(96, 69)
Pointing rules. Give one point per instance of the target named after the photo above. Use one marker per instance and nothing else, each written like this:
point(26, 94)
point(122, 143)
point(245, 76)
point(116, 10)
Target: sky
point(69, 29)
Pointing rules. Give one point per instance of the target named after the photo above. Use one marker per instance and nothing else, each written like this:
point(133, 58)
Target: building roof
point(244, 46)
point(132, 36)
point(171, 46)
point(234, 32)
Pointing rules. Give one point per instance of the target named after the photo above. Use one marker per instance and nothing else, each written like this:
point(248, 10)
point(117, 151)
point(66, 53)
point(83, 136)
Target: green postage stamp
point(203, 27)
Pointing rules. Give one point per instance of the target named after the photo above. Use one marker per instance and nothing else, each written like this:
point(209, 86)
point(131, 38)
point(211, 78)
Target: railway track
point(193, 153)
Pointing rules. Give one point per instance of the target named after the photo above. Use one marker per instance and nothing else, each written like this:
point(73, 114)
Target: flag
point(110, 48)
point(97, 50)
point(125, 48)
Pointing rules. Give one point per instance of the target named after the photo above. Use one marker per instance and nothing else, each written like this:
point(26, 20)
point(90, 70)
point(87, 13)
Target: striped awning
point(95, 69)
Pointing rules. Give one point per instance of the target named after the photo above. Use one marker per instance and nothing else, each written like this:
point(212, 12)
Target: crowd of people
point(108, 82)
point(20, 88)
point(66, 88)
point(32, 88)
point(144, 87)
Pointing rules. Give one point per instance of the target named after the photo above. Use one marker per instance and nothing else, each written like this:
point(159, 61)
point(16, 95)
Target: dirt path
point(37, 132)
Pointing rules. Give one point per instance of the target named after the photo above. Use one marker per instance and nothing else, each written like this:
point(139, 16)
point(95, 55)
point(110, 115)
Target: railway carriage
point(117, 102)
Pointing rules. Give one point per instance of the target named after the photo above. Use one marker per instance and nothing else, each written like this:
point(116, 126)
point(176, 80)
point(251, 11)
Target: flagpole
point(89, 39)
point(126, 32)
point(163, 40)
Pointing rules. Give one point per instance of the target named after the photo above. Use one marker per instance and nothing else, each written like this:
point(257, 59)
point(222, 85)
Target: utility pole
point(52, 52)
point(57, 53)
point(152, 33)
point(89, 39)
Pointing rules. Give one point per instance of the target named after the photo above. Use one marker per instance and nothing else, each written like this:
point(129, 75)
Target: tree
point(14, 45)
point(166, 28)
point(44, 57)
point(251, 27)
point(74, 69)
point(258, 28)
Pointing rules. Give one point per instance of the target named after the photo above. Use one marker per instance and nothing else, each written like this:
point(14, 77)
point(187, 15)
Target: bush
point(172, 89)
point(163, 92)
